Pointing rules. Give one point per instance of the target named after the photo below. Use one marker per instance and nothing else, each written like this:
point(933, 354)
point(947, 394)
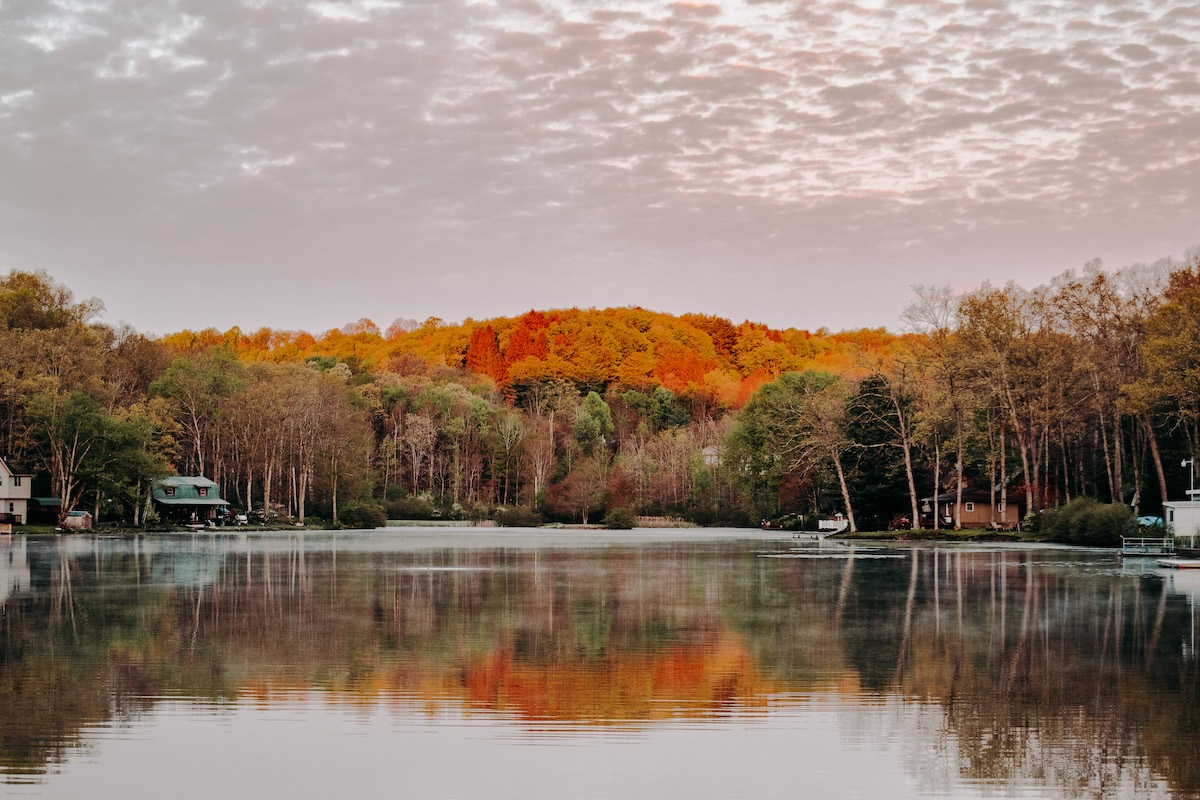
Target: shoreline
point(458, 527)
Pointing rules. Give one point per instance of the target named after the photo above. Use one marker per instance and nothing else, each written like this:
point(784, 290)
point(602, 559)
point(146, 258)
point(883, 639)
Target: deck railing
point(1140, 546)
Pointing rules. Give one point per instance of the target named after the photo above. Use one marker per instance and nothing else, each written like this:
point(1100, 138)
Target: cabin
point(189, 500)
point(976, 510)
point(16, 486)
point(1182, 519)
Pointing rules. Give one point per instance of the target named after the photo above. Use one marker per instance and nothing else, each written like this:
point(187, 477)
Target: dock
point(1179, 563)
point(1161, 546)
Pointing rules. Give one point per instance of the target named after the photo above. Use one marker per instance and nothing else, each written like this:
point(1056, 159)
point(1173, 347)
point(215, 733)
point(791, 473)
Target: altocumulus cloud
point(798, 163)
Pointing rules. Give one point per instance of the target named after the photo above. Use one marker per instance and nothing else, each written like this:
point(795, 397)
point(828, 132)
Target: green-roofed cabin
point(189, 500)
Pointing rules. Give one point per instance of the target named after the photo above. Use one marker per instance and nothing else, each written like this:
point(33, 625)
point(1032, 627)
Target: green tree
point(85, 447)
point(593, 428)
point(793, 429)
point(198, 389)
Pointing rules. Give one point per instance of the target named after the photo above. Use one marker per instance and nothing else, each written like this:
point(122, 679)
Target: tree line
point(1087, 386)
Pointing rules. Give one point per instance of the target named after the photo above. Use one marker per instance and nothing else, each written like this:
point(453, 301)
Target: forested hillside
point(1088, 386)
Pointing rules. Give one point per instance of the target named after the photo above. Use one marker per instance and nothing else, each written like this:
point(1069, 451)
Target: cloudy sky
point(801, 163)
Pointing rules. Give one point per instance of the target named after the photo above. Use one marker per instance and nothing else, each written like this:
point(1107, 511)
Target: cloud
point(663, 144)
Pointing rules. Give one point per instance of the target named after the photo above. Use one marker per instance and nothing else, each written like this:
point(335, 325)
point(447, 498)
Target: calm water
point(697, 664)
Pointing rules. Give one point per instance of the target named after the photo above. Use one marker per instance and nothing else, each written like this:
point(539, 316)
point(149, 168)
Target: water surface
point(647, 664)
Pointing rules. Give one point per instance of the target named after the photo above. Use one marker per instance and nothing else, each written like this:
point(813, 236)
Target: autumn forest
point(1088, 386)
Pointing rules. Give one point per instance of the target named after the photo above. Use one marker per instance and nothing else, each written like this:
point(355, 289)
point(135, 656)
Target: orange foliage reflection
point(690, 681)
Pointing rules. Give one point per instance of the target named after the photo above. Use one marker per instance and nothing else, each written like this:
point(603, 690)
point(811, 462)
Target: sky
point(301, 165)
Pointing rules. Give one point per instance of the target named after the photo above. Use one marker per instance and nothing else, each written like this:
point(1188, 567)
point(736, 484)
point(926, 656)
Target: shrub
point(412, 508)
point(518, 517)
point(364, 514)
point(1086, 522)
point(622, 519)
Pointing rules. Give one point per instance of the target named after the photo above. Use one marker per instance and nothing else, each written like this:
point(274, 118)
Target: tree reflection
point(1046, 666)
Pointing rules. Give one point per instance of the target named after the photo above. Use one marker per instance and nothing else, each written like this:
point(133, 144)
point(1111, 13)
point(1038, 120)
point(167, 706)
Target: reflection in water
point(990, 670)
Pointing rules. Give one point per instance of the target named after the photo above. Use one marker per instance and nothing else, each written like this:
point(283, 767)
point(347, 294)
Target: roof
point(187, 491)
point(182, 480)
point(16, 469)
point(972, 495)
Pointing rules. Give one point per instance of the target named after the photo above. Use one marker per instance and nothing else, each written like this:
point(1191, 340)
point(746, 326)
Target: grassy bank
point(942, 535)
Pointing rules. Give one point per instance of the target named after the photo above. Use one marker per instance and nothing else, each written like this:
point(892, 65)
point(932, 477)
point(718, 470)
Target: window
point(203, 490)
point(169, 491)
point(970, 507)
point(16, 480)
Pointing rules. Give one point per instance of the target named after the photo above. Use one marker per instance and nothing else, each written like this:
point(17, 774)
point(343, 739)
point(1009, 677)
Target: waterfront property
point(16, 485)
point(974, 510)
point(189, 500)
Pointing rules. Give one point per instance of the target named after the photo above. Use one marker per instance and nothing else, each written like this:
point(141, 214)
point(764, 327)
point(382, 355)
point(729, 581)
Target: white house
point(16, 486)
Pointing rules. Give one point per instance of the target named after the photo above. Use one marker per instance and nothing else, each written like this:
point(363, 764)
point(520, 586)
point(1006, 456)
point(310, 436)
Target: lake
point(496, 663)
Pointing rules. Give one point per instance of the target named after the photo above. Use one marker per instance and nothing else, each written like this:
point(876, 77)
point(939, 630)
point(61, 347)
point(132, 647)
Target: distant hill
point(692, 354)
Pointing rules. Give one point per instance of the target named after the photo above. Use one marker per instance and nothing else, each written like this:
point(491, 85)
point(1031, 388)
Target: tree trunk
point(335, 488)
point(958, 468)
point(906, 447)
point(1004, 474)
point(1118, 460)
point(937, 483)
point(837, 462)
point(1023, 446)
point(991, 470)
point(1154, 454)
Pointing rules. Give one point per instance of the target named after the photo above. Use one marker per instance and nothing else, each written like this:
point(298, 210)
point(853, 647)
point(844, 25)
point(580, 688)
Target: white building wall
point(1183, 519)
point(15, 491)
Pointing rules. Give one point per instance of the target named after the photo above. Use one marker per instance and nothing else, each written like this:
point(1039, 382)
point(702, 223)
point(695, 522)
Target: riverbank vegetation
point(1084, 387)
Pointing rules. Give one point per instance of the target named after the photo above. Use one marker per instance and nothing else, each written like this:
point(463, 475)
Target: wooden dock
point(1179, 563)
